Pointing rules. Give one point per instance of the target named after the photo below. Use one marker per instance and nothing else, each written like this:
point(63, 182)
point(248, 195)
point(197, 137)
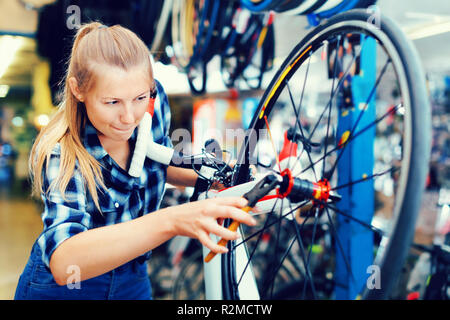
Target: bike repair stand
point(357, 161)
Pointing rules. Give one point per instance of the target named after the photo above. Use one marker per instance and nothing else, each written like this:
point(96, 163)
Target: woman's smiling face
point(118, 100)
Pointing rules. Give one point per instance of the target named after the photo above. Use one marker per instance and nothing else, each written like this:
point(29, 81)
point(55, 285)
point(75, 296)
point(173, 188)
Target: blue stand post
point(356, 162)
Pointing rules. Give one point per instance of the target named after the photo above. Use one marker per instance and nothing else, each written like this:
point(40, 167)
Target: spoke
point(304, 83)
point(257, 243)
point(340, 82)
point(297, 122)
point(338, 241)
point(316, 216)
point(298, 113)
point(275, 272)
point(306, 273)
point(331, 105)
point(372, 92)
point(351, 138)
point(273, 143)
point(276, 246)
point(285, 255)
point(304, 222)
point(362, 223)
point(316, 220)
point(379, 174)
point(269, 225)
point(302, 252)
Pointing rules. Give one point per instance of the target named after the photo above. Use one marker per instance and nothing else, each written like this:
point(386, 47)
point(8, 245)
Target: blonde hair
point(94, 45)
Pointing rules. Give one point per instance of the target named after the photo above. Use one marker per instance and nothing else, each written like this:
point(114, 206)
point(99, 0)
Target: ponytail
point(94, 44)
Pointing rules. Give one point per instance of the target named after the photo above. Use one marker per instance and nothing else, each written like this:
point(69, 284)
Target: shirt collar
point(117, 177)
point(92, 142)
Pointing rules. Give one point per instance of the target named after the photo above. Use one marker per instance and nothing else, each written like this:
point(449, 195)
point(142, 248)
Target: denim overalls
point(127, 282)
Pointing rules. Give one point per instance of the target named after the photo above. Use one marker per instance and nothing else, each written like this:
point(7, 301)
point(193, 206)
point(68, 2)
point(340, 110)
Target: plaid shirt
point(127, 197)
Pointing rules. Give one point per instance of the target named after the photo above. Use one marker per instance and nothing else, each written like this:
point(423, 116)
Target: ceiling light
point(427, 16)
point(9, 45)
point(17, 121)
point(41, 120)
point(4, 88)
point(428, 30)
point(172, 79)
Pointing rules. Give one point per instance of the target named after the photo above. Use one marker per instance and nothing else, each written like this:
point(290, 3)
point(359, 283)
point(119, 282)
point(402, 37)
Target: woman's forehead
point(121, 83)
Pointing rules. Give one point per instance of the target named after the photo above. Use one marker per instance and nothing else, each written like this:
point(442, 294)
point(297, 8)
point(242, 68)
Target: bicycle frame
point(248, 289)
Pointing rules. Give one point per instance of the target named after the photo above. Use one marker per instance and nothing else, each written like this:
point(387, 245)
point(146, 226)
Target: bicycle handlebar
point(146, 147)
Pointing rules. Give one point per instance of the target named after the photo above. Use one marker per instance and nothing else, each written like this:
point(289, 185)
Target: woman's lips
point(122, 130)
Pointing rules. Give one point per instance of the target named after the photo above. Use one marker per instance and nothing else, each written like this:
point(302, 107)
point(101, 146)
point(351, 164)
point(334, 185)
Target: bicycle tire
point(238, 57)
point(264, 5)
point(416, 142)
point(183, 289)
point(161, 27)
point(265, 61)
point(199, 60)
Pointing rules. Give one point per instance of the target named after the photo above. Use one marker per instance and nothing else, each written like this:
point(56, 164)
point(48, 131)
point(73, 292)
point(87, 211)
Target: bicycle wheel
point(189, 285)
point(324, 118)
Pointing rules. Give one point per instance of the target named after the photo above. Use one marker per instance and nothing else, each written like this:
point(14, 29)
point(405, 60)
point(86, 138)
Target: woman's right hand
point(200, 218)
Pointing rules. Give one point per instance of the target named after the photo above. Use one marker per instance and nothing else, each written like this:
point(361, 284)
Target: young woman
point(99, 222)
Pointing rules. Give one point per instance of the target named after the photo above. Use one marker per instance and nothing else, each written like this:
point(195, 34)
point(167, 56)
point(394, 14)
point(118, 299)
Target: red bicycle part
point(321, 191)
point(288, 174)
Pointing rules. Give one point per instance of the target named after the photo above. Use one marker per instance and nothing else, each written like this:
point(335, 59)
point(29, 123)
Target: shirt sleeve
point(63, 217)
point(161, 126)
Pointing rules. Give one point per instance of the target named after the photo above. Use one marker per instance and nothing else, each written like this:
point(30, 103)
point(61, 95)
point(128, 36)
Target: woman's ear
point(73, 84)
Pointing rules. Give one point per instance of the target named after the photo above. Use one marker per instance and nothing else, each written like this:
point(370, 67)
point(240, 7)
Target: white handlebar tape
point(146, 147)
point(159, 153)
point(140, 150)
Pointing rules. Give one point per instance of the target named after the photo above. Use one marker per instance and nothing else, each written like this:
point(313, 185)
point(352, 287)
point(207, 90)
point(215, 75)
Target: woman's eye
point(142, 98)
point(111, 102)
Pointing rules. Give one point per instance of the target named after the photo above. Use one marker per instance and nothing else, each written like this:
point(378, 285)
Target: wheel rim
point(321, 222)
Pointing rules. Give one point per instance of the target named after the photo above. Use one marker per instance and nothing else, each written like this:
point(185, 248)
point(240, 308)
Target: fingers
point(238, 202)
point(236, 214)
point(213, 227)
point(213, 212)
point(211, 245)
point(230, 207)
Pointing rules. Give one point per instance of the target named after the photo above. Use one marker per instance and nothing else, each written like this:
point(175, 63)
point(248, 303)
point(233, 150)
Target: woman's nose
point(127, 115)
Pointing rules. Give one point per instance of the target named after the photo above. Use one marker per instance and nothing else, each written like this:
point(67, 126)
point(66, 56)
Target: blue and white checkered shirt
point(127, 197)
